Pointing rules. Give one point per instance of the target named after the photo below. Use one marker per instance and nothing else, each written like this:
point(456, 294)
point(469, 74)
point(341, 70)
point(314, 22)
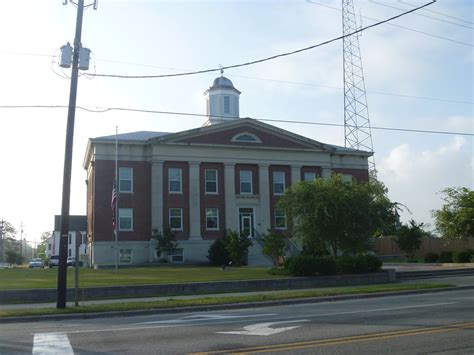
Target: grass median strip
point(214, 300)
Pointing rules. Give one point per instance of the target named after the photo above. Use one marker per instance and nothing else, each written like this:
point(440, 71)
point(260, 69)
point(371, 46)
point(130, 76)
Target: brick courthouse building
point(226, 175)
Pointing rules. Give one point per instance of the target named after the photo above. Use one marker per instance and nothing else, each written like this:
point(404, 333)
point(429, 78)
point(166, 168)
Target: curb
point(242, 305)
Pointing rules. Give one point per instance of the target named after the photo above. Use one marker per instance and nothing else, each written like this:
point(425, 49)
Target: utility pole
point(63, 238)
point(21, 238)
point(357, 129)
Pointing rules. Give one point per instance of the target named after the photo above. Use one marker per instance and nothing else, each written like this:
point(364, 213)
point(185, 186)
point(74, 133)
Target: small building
point(77, 234)
point(226, 175)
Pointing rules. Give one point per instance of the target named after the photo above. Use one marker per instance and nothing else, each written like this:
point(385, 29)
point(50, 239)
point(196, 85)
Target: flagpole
point(117, 183)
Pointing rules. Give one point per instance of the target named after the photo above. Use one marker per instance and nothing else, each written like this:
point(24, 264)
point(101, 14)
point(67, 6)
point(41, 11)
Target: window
point(211, 181)
point(70, 239)
point(226, 104)
point(69, 253)
point(125, 219)
point(347, 178)
point(175, 179)
point(176, 218)
point(212, 219)
point(309, 176)
point(280, 219)
point(49, 246)
point(126, 180)
point(125, 256)
point(245, 182)
point(246, 137)
point(278, 182)
point(177, 255)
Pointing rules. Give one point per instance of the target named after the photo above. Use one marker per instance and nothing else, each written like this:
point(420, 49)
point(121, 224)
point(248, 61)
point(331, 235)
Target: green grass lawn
point(209, 300)
point(24, 278)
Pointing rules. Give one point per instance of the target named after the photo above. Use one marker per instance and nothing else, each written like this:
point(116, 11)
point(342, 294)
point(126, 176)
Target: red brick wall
point(139, 201)
point(275, 198)
point(212, 200)
point(174, 200)
point(358, 174)
point(251, 167)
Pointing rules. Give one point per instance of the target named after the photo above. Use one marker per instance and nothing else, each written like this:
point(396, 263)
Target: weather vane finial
point(222, 69)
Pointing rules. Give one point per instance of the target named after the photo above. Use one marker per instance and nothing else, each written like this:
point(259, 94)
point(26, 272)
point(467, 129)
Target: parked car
point(36, 262)
point(71, 261)
point(54, 260)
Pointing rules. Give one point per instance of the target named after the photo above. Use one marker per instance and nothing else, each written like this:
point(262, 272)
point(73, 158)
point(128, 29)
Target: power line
point(438, 13)
point(398, 26)
point(430, 17)
point(263, 59)
point(191, 114)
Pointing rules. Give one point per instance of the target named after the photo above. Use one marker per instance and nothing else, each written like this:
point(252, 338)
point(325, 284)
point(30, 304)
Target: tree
point(237, 245)
point(274, 246)
point(14, 258)
point(455, 220)
point(41, 249)
point(408, 237)
point(339, 215)
point(166, 241)
point(218, 254)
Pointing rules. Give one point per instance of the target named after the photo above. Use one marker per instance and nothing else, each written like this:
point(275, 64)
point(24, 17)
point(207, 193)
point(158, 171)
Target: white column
point(157, 195)
point(264, 190)
point(295, 174)
point(326, 173)
point(194, 201)
point(230, 206)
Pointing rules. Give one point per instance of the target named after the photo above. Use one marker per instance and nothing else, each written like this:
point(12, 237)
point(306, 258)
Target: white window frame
point(180, 180)
point(216, 217)
point(347, 178)
point(178, 253)
point(312, 173)
point(275, 182)
point(206, 181)
point(241, 180)
point(180, 218)
point(125, 213)
point(122, 170)
point(277, 215)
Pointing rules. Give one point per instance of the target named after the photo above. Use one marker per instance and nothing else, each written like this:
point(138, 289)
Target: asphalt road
point(436, 323)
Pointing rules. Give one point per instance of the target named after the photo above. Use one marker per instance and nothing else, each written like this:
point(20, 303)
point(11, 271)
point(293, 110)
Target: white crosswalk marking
point(51, 343)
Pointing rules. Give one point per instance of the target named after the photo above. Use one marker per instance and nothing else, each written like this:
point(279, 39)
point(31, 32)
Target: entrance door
point(246, 221)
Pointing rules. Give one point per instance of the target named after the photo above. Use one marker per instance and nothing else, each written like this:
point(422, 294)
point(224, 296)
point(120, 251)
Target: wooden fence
point(387, 246)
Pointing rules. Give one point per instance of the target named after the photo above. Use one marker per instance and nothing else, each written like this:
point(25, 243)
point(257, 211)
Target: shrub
point(307, 265)
point(374, 264)
point(462, 257)
point(358, 264)
point(218, 254)
point(348, 264)
point(431, 257)
point(446, 257)
point(237, 245)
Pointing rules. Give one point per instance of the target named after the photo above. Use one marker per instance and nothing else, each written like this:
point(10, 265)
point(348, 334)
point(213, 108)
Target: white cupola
point(222, 101)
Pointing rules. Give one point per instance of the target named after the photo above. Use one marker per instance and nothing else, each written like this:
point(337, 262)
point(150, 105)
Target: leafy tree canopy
point(274, 246)
point(166, 241)
point(455, 219)
point(408, 237)
point(343, 215)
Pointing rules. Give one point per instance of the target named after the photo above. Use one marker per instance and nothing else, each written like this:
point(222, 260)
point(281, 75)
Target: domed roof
point(222, 82)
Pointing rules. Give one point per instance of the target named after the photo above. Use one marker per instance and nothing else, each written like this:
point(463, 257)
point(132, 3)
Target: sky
point(416, 78)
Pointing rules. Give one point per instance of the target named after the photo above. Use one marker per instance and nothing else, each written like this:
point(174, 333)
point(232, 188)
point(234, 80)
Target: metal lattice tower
point(357, 130)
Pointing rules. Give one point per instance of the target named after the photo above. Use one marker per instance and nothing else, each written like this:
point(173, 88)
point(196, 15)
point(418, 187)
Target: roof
point(134, 136)
point(76, 223)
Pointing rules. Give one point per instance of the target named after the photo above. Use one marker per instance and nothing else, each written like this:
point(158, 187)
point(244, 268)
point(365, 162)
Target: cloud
point(415, 177)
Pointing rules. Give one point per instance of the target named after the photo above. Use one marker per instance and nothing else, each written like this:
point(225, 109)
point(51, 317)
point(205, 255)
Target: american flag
point(113, 203)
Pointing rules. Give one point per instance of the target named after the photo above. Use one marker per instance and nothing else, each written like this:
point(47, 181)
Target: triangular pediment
point(243, 132)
